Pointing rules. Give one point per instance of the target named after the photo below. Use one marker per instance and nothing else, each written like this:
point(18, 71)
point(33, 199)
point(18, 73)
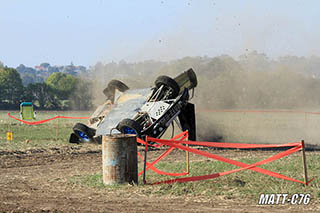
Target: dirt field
point(39, 181)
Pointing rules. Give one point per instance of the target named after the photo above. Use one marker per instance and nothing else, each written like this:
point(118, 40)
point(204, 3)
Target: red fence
point(180, 139)
point(46, 120)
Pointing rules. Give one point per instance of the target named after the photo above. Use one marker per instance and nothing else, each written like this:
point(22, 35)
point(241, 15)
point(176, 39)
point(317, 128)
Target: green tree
point(81, 97)
point(63, 84)
point(11, 88)
point(42, 94)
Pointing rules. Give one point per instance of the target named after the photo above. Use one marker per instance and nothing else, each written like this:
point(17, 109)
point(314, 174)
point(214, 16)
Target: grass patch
point(94, 180)
point(245, 185)
point(52, 133)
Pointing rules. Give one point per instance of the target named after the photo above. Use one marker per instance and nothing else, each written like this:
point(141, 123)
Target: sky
point(87, 31)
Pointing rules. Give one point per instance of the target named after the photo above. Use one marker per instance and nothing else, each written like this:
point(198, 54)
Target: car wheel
point(74, 138)
point(84, 132)
point(112, 86)
point(129, 126)
point(170, 83)
point(122, 87)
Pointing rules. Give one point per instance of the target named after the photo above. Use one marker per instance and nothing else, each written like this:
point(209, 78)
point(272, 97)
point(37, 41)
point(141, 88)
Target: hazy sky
point(87, 31)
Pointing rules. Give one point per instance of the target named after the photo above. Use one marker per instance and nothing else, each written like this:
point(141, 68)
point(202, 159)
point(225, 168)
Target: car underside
point(143, 112)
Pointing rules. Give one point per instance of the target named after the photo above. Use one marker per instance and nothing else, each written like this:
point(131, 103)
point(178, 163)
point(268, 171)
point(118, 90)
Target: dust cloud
point(251, 81)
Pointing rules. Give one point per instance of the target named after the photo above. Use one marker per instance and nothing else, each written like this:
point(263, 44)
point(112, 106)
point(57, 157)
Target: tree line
point(40, 73)
point(253, 80)
point(60, 91)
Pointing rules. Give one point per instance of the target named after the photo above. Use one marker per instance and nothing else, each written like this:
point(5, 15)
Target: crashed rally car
point(142, 112)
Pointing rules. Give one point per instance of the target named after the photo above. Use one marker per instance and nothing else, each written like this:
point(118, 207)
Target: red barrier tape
point(159, 171)
point(46, 120)
point(233, 162)
point(161, 157)
point(244, 166)
point(253, 167)
point(184, 136)
point(227, 145)
point(159, 145)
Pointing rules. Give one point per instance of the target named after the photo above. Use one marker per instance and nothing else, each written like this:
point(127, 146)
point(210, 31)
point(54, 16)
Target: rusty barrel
point(119, 159)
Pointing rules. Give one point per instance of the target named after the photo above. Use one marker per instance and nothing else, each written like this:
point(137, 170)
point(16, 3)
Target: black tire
point(168, 82)
point(122, 87)
point(193, 78)
point(127, 126)
point(74, 138)
point(115, 84)
point(84, 132)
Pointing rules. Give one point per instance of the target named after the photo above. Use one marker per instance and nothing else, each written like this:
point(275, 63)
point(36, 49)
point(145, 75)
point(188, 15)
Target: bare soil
point(39, 181)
